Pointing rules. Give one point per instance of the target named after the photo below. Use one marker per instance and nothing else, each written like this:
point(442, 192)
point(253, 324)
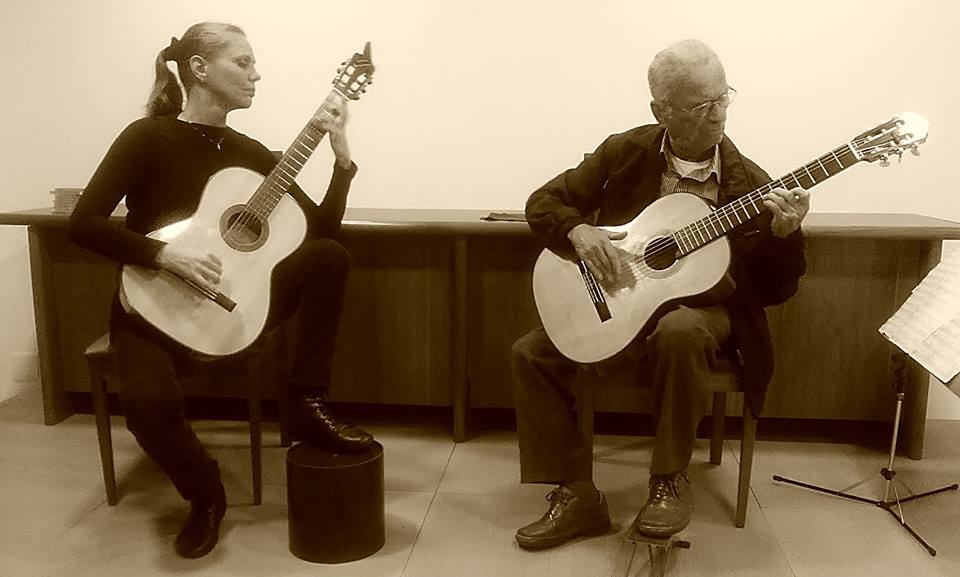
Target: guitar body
point(639, 295)
point(249, 249)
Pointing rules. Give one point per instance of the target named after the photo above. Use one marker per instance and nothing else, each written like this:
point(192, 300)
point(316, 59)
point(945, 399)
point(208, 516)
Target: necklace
point(216, 143)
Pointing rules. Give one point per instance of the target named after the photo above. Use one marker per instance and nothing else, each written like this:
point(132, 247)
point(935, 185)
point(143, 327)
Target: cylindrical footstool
point(335, 503)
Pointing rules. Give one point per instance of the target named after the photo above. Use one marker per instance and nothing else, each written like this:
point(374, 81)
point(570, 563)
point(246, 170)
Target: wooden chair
point(724, 381)
point(246, 366)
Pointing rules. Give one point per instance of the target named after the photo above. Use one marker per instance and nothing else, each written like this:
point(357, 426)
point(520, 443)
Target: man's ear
point(198, 67)
point(659, 110)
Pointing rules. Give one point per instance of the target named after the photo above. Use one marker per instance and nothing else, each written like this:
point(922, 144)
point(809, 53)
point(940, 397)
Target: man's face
point(697, 111)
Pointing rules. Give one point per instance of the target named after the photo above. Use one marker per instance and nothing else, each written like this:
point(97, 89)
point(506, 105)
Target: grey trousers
point(681, 350)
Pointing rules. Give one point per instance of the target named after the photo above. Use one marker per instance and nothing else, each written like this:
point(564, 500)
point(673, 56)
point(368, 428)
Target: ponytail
point(165, 97)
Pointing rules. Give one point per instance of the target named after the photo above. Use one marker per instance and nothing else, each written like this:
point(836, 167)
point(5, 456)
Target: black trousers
point(311, 281)
point(681, 349)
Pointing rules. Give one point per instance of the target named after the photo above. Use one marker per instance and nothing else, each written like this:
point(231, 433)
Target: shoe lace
point(663, 487)
point(561, 495)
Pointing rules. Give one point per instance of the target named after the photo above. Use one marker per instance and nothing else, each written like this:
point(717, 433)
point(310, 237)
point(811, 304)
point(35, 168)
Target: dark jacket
point(622, 177)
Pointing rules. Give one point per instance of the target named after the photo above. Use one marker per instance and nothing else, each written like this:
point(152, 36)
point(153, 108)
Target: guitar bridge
point(596, 293)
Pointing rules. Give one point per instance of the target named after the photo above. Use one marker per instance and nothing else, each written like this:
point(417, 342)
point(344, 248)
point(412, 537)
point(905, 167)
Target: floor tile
point(467, 535)
point(136, 537)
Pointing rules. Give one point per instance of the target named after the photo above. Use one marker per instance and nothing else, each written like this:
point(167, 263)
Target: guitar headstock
point(355, 74)
point(905, 131)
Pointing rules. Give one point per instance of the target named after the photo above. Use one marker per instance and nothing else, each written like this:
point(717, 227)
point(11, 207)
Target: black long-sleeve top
point(161, 165)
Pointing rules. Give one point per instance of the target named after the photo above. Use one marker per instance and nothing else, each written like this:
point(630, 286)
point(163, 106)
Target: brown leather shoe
point(569, 516)
point(668, 508)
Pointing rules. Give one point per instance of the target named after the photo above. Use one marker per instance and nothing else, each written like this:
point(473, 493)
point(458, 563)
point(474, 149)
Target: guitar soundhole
point(660, 253)
point(243, 229)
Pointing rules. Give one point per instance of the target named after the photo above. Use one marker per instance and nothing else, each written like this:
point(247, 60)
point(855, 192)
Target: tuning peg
point(915, 150)
point(884, 160)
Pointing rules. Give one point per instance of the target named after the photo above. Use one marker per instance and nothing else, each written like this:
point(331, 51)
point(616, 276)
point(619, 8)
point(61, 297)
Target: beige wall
point(477, 103)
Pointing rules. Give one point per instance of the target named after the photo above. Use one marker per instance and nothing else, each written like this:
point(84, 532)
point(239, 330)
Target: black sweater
point(161, 166)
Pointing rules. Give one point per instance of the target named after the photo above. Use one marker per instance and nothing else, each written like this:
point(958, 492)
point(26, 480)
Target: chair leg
point(746, 463)
point(98, 390)
point(283, 405)
point(719, 419)
point(255, 379)
point(278, 372)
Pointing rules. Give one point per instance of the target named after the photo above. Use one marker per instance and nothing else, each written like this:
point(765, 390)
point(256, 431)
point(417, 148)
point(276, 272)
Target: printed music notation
point(927, 325)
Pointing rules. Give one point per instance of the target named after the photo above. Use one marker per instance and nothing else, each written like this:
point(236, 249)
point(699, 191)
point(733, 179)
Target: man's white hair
point(672, 64)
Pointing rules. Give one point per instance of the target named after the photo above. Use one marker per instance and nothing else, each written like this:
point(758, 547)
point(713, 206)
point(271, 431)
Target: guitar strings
point(263, 199)
point(730, 209)
point(310, 136)
point(637, 262)
point(250, 213)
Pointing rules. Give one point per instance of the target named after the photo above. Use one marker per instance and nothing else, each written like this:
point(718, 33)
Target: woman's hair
point(205, 39)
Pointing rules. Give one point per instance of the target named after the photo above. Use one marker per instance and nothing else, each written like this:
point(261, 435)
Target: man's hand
point(198, 266)
point(333, 119)
point(595, 250)
point(788, 208)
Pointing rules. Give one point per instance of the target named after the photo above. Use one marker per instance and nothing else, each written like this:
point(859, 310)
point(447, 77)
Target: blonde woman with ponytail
point(160, 164)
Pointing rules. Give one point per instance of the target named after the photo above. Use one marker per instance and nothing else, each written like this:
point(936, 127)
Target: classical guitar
point(251, 223)
point(676, 251)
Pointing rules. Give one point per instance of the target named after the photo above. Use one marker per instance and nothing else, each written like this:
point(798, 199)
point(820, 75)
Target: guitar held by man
point(676, 250)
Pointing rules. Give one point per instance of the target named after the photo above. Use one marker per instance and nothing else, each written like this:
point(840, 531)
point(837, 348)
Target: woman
point(161, 163)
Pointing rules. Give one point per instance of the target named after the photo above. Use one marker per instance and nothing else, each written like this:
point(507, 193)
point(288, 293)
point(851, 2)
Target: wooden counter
point(437, 297)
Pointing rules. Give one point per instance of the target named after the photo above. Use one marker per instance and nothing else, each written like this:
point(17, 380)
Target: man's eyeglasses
point(723, 102)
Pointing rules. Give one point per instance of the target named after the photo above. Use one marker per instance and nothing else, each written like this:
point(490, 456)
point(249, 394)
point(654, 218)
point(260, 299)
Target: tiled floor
point(452, 509)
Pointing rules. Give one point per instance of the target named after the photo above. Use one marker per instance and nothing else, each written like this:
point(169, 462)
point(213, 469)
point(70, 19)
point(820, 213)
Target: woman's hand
point(333, 119)
point(195, 265)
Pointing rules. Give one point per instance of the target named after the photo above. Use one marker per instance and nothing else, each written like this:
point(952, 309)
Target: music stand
point(888, 473)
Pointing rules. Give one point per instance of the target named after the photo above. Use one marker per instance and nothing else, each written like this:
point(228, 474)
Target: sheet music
point(927, 325)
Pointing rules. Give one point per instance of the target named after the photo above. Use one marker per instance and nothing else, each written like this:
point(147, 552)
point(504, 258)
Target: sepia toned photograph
point(450, 289)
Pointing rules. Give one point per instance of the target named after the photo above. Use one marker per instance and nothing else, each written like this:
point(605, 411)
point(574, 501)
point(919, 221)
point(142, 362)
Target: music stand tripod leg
point(888, 473)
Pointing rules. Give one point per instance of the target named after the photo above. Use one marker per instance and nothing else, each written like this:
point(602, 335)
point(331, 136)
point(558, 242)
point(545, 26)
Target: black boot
point(313, 422)
point(202, 530)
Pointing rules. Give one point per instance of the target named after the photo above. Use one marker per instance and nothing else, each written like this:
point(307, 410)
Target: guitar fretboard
point(748, 206)
point(282, 177)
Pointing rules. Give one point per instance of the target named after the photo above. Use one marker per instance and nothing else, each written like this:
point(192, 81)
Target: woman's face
point(232, 74)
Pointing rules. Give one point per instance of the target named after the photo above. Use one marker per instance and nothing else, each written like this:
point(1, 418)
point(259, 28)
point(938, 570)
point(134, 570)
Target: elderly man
point(685, 152)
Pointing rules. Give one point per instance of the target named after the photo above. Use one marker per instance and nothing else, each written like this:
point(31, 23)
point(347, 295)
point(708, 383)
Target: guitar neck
point(748, 206)
point(283, 176)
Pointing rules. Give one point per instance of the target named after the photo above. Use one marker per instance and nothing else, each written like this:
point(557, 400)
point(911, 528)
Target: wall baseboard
point(19, 373)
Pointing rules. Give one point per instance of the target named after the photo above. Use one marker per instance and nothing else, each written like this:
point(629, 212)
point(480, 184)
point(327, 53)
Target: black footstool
point(335, 503)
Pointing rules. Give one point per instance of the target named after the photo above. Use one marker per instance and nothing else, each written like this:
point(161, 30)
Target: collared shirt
point(702, 181)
